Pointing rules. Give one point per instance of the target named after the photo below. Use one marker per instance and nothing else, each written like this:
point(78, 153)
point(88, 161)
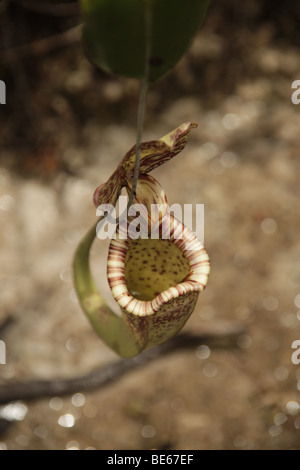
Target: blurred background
point(63, 130)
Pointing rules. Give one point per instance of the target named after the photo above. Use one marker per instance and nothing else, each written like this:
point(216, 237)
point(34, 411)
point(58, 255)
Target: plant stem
point(140, 123)
point(142, 101)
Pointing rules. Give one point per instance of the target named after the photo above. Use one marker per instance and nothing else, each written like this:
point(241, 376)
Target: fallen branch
point(221, 335)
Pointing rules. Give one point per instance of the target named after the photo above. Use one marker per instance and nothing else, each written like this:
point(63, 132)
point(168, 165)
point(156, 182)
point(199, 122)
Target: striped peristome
point(136, 269)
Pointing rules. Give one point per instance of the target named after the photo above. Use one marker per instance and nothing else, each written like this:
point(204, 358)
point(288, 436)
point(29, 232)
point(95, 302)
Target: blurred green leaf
point(129, 37)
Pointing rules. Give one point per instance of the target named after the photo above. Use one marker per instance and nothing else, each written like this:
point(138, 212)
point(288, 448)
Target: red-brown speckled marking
point(153, 154)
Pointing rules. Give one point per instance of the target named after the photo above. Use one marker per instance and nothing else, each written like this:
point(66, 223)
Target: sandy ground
point(242, 162)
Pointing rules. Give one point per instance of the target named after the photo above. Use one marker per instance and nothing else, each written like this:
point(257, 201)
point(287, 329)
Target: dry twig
point(223, 335)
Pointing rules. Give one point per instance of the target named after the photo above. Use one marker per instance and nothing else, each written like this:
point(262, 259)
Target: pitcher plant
point(155, 280)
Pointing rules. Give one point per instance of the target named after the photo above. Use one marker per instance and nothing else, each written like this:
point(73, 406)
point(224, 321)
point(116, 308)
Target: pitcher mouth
point(144, 274)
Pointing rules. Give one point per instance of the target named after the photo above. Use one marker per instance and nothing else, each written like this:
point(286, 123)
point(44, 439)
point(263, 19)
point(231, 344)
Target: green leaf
point(135, 38)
